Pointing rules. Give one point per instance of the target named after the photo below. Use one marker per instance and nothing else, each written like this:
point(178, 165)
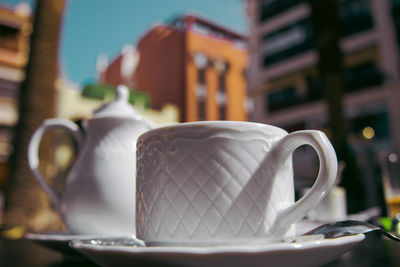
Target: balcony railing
point(362, 76)
point(297, 38)
point(287, 42)
point(357, 78)
point(270, 8)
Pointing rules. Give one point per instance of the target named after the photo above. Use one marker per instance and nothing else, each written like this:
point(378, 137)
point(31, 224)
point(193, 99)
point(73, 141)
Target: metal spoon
point(343, 228)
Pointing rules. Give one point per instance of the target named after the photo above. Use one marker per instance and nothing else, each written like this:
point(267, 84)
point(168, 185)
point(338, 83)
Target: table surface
point(375, 250)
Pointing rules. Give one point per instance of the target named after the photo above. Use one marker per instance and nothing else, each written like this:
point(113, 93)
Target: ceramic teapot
point(99, 193)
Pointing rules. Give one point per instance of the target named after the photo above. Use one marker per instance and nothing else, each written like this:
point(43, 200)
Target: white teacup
point(223, 182)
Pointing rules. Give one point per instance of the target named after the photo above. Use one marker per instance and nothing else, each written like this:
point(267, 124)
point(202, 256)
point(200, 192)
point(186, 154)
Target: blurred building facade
point(191, 63)
point(284, 80)
point(283, 66)
point(15, 29)
point(75, 103)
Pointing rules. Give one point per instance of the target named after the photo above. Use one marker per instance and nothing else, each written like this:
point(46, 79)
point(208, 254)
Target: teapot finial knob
point(122, 93)
point(120, 107)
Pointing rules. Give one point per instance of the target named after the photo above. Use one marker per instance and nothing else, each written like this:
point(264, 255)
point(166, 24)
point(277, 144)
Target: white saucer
point(118, 252)
point(57, 237)
point(58, 241)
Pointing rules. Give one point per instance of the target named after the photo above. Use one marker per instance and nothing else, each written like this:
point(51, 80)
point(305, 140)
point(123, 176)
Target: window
point(287, 42)
point(8, 89)
point(314, 88)
point(201, 61)
point(6, 135)
point(8, 37)
point(221, 68)
point(282, 98)
point(201, 94)
point(362, 76)
point(221, 96)
point(201, 76)
point(201, 109)
point(379, 122)
point(270, 8)
point(355, 16)
point(396, 18)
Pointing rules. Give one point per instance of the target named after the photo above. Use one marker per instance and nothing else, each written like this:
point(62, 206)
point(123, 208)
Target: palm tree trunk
point(326, 28)
point(26, 204)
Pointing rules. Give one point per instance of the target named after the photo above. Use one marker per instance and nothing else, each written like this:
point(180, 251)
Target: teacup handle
point(324, 182)
point(33, 153)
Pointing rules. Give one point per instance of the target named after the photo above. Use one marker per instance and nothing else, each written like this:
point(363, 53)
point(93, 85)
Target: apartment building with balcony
point(192, 63)
point(15, 28)
point(284, 78)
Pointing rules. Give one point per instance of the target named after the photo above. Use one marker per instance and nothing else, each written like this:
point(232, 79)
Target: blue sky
point(91, 27)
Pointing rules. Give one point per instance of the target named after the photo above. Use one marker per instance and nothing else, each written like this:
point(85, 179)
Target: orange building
point(192, 63)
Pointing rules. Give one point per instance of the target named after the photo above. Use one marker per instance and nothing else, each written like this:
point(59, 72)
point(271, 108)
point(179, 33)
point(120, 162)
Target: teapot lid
point(120, 107)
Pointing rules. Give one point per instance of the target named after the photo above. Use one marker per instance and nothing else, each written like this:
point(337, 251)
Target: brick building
point(192, 63)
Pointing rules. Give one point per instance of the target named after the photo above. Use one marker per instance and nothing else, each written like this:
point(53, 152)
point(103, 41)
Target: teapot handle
point(33, 153)
point(323, 184)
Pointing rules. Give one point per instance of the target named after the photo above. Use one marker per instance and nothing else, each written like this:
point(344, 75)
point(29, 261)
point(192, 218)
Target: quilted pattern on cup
point(201, 190)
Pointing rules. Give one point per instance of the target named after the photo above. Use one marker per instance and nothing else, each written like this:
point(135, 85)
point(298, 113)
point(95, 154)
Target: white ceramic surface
point(333, 207)
point(56, 237)
point(223, 182)
point(99, 193)
point(309, 253)
point(58, 241)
